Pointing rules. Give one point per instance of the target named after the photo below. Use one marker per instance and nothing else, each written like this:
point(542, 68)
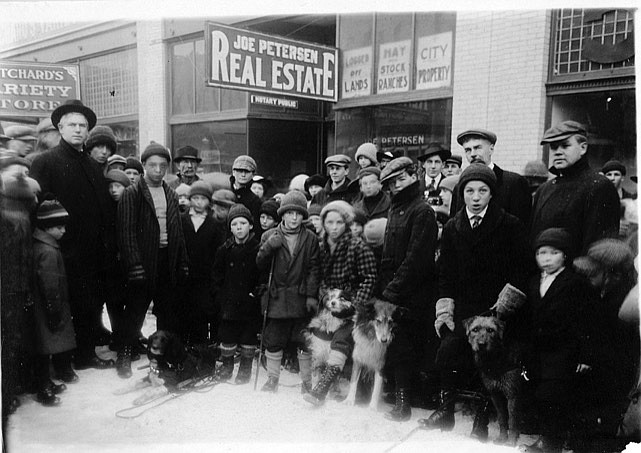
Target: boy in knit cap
point(116, 162)
point(54, 328)
point(101, 144)
point(314, 218)
point(118, 182)
point(133, 169)
point(290, 254)
point(235, 277)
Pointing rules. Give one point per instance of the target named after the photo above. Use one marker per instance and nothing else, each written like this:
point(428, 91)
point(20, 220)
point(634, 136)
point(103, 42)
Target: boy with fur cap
point(234, 281)
point(290, 254)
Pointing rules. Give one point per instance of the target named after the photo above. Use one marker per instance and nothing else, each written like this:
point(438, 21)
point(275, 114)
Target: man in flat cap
point(432, 160)
point(187, 160)
point(452, 165)
point(78, 183)
point(407, 278)
point(578, 199)
point(21, 139)
point(243, 171)
point(512, 190)
point(338, 187)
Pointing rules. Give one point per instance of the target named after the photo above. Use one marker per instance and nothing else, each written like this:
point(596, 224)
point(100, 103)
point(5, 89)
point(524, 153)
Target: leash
point(402, 440)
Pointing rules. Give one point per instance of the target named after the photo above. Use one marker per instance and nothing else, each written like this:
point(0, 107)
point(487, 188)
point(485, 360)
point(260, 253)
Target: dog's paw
point(152, 394)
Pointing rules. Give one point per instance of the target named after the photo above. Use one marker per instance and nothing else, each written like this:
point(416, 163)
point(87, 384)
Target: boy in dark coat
point(234, 281)
point(291, 254)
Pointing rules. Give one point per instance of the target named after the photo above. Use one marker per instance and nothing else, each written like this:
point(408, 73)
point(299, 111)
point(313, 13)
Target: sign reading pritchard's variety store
point(246, 60)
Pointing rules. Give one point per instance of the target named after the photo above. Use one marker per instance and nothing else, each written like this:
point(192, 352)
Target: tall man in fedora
point(432, 160)
point(187, 160)
point(77, 181)
point(512, 190)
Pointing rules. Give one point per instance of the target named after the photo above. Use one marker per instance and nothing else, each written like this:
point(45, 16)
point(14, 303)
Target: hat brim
point(392, 175)
point(196, 159)
point(443, 154)
point(464, 137)
point(557, 138)
point(73, 108)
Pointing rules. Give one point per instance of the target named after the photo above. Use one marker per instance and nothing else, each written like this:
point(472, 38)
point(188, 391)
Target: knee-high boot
point(305, 366)
point(273, 370)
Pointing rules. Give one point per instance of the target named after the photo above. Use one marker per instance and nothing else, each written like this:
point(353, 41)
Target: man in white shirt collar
point(432, 161)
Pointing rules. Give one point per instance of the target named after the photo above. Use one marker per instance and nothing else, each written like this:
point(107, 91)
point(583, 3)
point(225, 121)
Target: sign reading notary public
point(36, 89)
point(434, 61)
point(246, 60)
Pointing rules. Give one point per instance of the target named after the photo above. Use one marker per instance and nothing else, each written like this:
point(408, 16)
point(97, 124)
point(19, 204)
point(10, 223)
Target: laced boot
point(481, 422)
point(225, 372)
point(318, 393)
point(123, 362)
point(443, 417)
point(244, 371)
point(402, 411)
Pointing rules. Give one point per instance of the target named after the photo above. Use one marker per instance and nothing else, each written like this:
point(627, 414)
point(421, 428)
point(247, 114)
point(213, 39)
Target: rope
point(402, 439)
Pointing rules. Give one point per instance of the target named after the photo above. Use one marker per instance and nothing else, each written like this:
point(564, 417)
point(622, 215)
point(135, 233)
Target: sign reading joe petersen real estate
point(247, 60)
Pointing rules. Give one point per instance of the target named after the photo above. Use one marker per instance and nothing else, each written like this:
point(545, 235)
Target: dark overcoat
point(247, 198)
point(379, 211)
point(346, 192)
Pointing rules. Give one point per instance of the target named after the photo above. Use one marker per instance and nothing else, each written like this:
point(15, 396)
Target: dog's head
point(165, 347)
point(484, 332)
point(383, 316)
point(337, 300)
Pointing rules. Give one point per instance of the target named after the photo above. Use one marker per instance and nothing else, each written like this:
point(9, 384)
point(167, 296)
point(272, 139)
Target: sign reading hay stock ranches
point(246, 60)
point(36, 89)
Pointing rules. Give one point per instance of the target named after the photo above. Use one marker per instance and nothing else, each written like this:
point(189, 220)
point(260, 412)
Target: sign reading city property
point(394, 67)
point(246, 60)
point(434, 61)
point(36, 89)
point(357, 72)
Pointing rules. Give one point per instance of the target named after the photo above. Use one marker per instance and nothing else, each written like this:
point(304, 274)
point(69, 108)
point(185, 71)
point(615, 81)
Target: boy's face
point(199, 202)
point(364, 162)
point(100, 153)
point(242, 176)
point(219, 212)
point(267, 222)
point(357, 229)
point(615, 178)
point(334, 225)
point(476, 195)
point(370, 185)
point(337, 173)
point(566, 153)
point(155, 168)
point(183, 202)
point(292, 219)
point(116, 190)
point(258, 189)
point(240, 228)
point(401, 182)
point(451, 169)
point(57, 231)
point(316, 221)
point(133, 174)
point(549, 259)
point(313, 190)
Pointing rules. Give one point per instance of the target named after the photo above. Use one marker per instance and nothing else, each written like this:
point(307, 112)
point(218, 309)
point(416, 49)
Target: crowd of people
point(85, 228)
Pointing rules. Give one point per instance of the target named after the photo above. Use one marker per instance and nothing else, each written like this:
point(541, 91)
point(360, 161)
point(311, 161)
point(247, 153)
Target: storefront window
point(182, 76)
point(207, 98)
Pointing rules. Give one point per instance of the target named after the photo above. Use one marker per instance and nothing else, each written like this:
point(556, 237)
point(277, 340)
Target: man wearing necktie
point(432, 161)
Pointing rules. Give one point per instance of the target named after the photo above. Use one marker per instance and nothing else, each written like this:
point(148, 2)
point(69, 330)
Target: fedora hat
point(187, 153)
point(73, 105)
point(435, 149)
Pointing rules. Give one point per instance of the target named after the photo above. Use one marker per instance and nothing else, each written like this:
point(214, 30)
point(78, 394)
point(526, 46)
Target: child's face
point(267, 222)
point(313, 190)
point(401, 182)
point(183, 201)
point(316, 221)
point(219, 212)
point(476, 195)
point(357, 229)
point(258, 189)
point(57, 231)
point(199, 203)
point(549, 259)
point(292, 219)
point(133, 174)
point(116, 190)
point(334, 225)
point(364, 162)
point(240, 227)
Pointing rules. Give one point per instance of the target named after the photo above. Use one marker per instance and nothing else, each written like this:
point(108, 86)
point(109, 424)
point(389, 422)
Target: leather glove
point(444, 314)
point(137, 274)
point(54, 317)
point(312, 305)
point(272, 244)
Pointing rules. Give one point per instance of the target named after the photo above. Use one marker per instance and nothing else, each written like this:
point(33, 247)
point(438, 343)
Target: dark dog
point(500, 372)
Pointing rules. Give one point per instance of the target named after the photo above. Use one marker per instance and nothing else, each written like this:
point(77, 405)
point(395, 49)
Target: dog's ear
point(467, 322)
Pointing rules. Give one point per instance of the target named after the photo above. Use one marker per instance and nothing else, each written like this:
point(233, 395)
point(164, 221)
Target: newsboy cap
point(435, 149)
point(562, 131)
point(21, 132)
point(338, 159)
point(613, 165)
point(368, 171)
point(476, 132)
point(455, 159)
point(395, 168)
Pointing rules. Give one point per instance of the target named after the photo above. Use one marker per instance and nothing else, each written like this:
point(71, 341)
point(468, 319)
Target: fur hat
point(477, 172)
point(101, 135)
point(555, 237)
point(298, 182)
point(200, 188)
point(367, 150)
point(345, 210)
point(224, 197)
point(270, 207)
point(155, 149)
point(374, 231)
point(315, 180)
point(244, 162)
point(51, 213)
point(293, 200)
point(118, 176)
point(612, 254)
point(134, 163)
point(239, 210)
point(182, 189)
point(509, 301)
point(314, 209)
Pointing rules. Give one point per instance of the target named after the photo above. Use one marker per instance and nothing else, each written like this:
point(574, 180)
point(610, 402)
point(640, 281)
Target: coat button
point(231, 264)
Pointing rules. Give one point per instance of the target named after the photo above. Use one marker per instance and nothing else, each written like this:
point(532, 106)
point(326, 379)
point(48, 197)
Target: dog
point(500, 370)
point(171, 367)
point(373, 332)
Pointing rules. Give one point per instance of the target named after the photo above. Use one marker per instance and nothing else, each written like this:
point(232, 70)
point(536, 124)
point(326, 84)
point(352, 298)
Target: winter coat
point(379, 211)
point(352, 268)
point(346, 192)
point(201, 246)
point(139, 233)
point(79, 185)
point(408, 273)
point(296, 276)
point(474, 265)
point(580, 200)
point(234, 279)
point(247, 198)
point(50, 287)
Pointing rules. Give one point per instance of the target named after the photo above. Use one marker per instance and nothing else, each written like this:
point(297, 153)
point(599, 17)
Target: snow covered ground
point(226, 418)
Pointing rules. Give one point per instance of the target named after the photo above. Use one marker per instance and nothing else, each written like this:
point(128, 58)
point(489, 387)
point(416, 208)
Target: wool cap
point(244, 162)
point(562, 131)
point(374, 231)
point(224, 197)
point(135, 164)
point(187, 152)
point(613, 165)
point(293, 200)
point(298, 182)
point(455, 159)
point(535, 168)
point(389, 155)
point(155, 149)
point(395, 168)
point(345, 210)
point(612, 254)
point(182, 189)
point(359, 216)
point(51, 213)
point(116, 159)
point(558, 238)
point(367, 150)
point(315, 180)
point(45, 126)
point(338, 159)
point(449, 183)
point(76, 106)
point(270, 207)
point(476, 132)
point(369, 171)
point(201, 188)
point(477, 172)
point(21, 132)
point(118, 176)
point(239, 210)
point(101, 135)
point(435, 149)
point(314, 209)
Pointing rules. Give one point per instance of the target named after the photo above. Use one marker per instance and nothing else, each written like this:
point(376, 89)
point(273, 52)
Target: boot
point(402, 410)
point(272, 363)
point(443, 417)
point(62, 368)
point(481, 422)
point(47, 397)
point(318, 394)
point(271, 385)
point(244, 371)
point(305, 364)
point(57, 389)
point(225, 372)
point(123, 362)
point(543, 444)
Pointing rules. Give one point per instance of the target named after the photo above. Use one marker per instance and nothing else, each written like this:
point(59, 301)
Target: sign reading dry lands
point(36, 89)
point(246, 60)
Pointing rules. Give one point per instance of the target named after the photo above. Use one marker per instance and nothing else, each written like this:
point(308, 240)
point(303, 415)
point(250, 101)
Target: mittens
point(444, 314)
